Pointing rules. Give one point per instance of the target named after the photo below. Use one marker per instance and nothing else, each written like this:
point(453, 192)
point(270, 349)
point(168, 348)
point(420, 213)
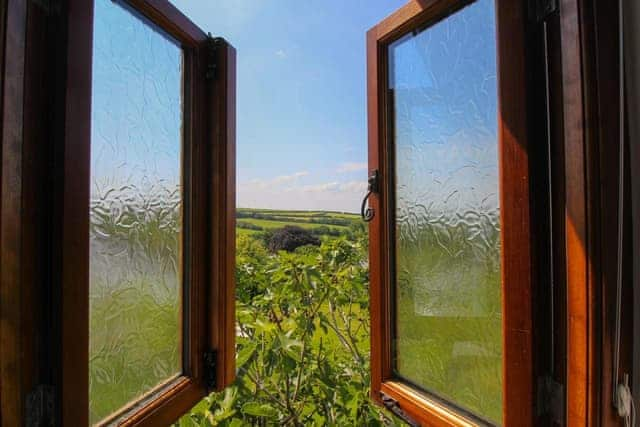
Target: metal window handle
point(366, 211)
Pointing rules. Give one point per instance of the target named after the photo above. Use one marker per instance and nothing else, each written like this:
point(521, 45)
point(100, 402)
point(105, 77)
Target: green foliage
point(303, 319)
point(290, 238)
point(303, 340)
point(248, 226)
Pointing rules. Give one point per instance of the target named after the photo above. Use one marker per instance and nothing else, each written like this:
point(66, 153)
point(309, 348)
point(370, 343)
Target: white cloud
point(289, 194)
point(352, 167)
point(329, 186)
point(277, 181)
point(353, 186)
point(289, 178)
point(281, 54)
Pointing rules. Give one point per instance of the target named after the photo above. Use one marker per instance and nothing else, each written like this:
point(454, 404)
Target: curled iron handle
point(367, 212)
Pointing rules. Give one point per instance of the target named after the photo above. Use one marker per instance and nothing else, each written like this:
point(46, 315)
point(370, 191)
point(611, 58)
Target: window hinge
point(39, 410)
point(551, 399)
point(393, 405)
point(213, 43)
point(210, 369)
point(539, 10)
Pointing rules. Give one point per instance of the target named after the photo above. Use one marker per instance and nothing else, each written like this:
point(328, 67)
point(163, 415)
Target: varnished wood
point(632, 73)
point(209, 204)
point(426, 411)
point(36, 201)
point(515, 231)
point(547, 212)
point(167, 17)
point(27, 296)
point(12, 327)
point(24, 218)
point(415, 14)
point(558, 212)
point(74, 198)
point(222, 323)
point(515, 216)
point(195, 245)
point(3, 17)
point(163, 405)
point(585, 107)
point(379, 294)
point(579, 249)
point(601, 44)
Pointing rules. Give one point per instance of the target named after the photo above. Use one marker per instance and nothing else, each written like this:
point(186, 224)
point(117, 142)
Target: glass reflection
point(448, 337)
point(135, 210)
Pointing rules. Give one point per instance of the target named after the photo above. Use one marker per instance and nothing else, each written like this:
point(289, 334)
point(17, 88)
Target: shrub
point(303, 345)
point(291, 237)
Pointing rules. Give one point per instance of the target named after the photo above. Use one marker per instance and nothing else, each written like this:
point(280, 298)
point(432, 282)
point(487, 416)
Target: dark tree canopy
point(291, 237)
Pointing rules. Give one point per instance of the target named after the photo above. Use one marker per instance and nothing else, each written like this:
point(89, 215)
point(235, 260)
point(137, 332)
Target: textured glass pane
point(447, 290)
point(136, 210)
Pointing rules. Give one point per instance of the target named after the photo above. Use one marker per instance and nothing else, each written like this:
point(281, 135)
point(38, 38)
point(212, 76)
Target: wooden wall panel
point(12, 328)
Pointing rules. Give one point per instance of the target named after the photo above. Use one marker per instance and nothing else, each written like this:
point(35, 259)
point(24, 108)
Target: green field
point(271, 224)
point(301, 213)
point(252, 221)
point(245, 232)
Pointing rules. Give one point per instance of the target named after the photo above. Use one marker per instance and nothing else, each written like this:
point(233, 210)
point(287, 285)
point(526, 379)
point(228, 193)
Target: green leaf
point(245, 354)
point(259, 410)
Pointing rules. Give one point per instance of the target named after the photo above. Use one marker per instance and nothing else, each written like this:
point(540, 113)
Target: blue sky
point(136, 113)
point(301, 96)
point(301, 130)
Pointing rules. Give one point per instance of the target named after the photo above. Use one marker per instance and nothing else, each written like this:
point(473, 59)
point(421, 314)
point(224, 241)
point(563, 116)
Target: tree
point(291, 237)
point(302, 343)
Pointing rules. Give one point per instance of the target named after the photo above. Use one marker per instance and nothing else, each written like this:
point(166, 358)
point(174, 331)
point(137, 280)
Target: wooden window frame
point(517, 245)
point(591, 118)
point(16, 373)
point(209, 172)
point(23, 349)
point(32, 349)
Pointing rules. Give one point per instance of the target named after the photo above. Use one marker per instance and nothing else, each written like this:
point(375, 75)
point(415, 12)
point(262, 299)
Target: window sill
point(422, 409)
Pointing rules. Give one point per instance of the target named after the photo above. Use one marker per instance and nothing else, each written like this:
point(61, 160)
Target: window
point(449, 253)
point(136, 273)
point(54, 264)
point(148, 221)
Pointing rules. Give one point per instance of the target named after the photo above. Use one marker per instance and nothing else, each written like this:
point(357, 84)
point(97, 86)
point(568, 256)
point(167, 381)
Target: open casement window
point(146, 214)
point(450, 244)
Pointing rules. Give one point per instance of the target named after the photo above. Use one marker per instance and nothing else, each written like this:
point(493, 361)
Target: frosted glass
point(135, 211)
point(447, 224)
